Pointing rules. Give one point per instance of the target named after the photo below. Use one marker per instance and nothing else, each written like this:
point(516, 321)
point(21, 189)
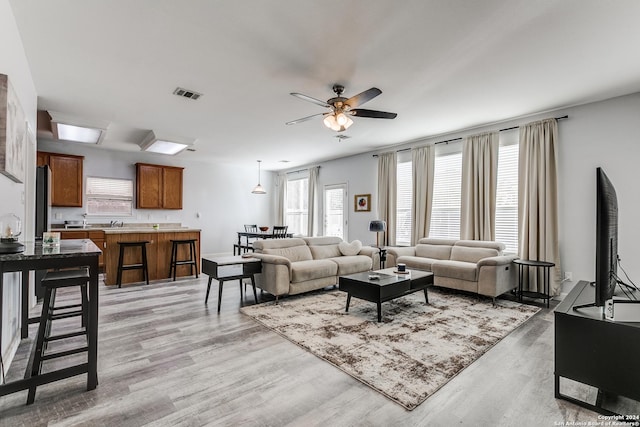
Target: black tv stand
point(595, 351)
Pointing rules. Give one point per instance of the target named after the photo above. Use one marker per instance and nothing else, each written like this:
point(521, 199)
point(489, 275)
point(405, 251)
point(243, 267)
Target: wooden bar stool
point(141, 266)
point(191, 261)
point(52, 281)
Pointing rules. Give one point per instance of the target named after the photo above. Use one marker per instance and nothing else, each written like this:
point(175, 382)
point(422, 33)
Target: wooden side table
point(230, 268)
point(544, 267)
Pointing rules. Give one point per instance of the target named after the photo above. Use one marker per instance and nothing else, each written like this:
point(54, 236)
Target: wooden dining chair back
point(280, 231)
point(251, 228)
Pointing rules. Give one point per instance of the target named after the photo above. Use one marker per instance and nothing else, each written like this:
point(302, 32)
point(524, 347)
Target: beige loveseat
point(293, 266)
point(469, 265)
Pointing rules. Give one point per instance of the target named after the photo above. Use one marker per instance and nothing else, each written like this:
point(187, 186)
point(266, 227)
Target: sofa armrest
point(273, 259)
point(398, 251)
point(497, 260)
point(276, 274)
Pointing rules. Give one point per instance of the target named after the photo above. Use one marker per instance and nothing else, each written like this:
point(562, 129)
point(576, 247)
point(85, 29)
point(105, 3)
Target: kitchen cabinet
point(158, 186)
point(66, 178)
point(97, 236)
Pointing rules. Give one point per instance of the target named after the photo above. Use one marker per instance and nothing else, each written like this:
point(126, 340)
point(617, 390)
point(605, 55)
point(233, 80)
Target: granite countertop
point(129, 228)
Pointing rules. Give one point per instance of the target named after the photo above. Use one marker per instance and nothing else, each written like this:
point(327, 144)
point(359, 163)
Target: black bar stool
point(191, 261)
point(52, 281)
point(141, 266)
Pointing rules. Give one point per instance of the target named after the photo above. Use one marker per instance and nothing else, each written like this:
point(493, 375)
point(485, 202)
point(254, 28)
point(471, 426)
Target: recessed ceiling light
point(165, 145)
point(68, 128)
point(78, 133)
point(285, 161)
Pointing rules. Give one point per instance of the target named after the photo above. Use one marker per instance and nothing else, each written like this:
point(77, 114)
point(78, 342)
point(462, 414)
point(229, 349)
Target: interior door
point(335, 213)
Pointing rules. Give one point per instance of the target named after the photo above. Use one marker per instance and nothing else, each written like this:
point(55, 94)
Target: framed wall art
point(362, 203)
point(13, 133)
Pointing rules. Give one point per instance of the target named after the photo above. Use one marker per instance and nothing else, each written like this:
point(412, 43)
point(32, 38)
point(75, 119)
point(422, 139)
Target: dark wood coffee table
point(388, 287)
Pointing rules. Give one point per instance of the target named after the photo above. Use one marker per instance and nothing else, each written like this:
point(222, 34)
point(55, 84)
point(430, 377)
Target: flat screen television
point(606, 240)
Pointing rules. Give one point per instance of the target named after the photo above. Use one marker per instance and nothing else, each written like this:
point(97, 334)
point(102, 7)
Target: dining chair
point(280, 231)
point(249, 228)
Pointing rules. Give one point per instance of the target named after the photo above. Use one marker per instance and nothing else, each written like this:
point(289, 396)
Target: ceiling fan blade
point(304, 119)
point(310, 99)
point(360, 112)
point(363, 97)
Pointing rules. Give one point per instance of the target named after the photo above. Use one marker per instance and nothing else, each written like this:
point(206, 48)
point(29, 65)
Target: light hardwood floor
point(167, 359)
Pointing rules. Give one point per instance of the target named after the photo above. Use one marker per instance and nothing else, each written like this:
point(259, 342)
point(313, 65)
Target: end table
point(544, 267)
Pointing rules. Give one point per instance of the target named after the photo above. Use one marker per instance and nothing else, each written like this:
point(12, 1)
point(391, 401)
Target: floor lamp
point(377, 226)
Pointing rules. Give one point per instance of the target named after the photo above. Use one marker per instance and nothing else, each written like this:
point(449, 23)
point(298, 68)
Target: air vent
point(342, 137)
point(186, 93)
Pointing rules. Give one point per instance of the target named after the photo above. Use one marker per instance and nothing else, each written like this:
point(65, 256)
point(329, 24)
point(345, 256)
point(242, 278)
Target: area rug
point(408, 356)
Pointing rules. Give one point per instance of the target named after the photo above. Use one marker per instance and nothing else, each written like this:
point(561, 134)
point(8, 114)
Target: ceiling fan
point(340, 108)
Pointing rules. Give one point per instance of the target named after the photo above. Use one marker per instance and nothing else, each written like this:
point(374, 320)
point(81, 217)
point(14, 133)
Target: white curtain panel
point(387, 189)
point(281, 202)
point(422, 164)
point(479, 186)
point(538, 199)
point(312, 206)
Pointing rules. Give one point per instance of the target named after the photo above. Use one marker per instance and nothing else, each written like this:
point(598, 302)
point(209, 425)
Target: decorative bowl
point(263, 229)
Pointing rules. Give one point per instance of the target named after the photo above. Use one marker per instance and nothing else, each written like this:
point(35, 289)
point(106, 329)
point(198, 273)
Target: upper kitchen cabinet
point(66, 178)
point(158, 187)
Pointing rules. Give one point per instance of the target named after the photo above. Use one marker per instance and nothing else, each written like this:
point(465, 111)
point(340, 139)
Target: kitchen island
point(158, 252)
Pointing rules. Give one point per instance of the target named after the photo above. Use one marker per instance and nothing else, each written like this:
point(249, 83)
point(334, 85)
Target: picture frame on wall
point(362, 202)
point(13, 133)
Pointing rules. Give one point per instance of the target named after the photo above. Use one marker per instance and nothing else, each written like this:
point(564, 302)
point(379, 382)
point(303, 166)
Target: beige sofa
point(469, 265)
point(293, 266)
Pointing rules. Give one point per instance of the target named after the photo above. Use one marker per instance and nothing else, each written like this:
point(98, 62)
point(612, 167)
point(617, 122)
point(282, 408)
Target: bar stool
point(141, 266)
point(52, 281)
point(191, 261)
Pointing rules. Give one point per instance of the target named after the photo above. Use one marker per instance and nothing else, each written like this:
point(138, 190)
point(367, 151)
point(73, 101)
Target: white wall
point(13, 195)
point(221, 194)
point(360, 175)
point(603, 134)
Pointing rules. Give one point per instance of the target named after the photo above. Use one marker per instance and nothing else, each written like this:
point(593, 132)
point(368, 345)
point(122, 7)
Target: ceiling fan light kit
point(341, 108)
point(338, 122)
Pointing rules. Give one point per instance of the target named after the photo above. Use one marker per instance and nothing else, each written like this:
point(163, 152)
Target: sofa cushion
point(352, 248)
point(419, 263)
point(471, 254)
point(352, 264)
point(312, 269)
point(433, 251)
point(324, 251)
point(455, 270)
point(322, 240)
point(292, 253)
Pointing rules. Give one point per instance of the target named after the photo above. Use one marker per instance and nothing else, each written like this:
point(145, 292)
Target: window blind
point(297, 205)
point(447, 187)
point(403, 203)
point(507, 197)
point(109, 196)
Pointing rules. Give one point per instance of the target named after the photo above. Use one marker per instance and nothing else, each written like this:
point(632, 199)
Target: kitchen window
point(109, 196)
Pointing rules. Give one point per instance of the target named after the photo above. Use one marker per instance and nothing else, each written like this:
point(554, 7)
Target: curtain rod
point(301, 170)
point(460, 139)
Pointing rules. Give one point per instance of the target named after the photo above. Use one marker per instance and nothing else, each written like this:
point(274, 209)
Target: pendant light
point(259, 189)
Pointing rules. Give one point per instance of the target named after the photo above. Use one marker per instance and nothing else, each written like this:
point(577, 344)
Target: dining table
point(239, 247)
point(68, 254)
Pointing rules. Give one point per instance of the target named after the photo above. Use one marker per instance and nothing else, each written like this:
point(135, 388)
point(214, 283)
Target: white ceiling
point(442, 65)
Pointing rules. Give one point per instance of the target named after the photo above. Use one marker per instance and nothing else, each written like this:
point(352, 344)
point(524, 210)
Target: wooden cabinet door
point(42, 158)
point(172, 188)
point(66, 180)
point(148, 186)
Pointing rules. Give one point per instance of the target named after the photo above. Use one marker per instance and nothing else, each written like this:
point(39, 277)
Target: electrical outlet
point(568, 276)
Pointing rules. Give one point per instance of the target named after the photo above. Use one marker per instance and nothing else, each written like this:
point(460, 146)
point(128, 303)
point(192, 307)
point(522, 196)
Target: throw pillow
point(352, 248)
